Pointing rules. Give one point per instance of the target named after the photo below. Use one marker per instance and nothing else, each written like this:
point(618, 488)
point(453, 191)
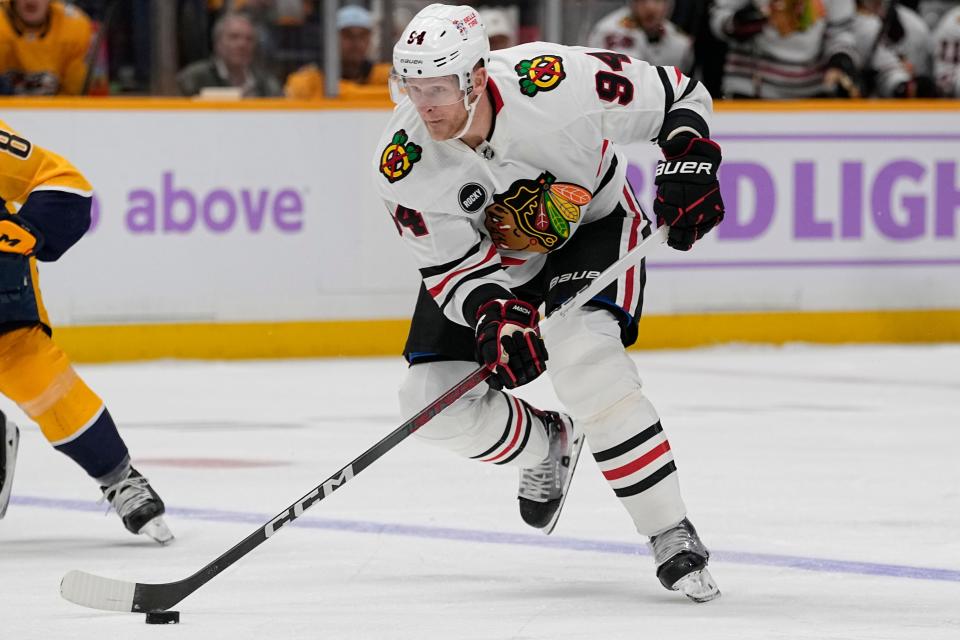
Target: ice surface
point(826, 480)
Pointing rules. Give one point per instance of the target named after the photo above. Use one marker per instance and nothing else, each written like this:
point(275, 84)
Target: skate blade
point(574, 458)
point(699, 586)
point(158, 530)
point(10, 442)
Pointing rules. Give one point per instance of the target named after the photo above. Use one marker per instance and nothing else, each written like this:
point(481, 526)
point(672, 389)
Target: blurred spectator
point(946, 53)
point(788, 48)
point(266, 16)
point(500, 27)
point(357, 70)
point(901, 46)
point(43, 47)
point(231, 66)
point(641, 30)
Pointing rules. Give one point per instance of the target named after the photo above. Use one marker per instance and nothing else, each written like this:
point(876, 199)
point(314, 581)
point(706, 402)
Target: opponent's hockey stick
point(868, 74)
point(94, 50)
point(108, 594)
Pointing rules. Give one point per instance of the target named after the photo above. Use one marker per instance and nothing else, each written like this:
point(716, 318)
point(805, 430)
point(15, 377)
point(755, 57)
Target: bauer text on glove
point(688, 193)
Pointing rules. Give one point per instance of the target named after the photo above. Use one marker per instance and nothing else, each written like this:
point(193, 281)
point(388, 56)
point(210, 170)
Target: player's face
point(354, 44)
point(439, 101)
point(237, 43)
point(33, 12)
point(650, 13)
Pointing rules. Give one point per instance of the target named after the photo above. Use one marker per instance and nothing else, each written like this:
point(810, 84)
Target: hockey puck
point(163, 617)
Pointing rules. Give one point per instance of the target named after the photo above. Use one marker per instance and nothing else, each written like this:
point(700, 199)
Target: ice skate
point(681, 560)
point(543, 488)
point(8, 460)
point(139, 506)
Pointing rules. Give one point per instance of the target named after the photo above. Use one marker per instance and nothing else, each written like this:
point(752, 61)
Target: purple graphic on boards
point(177, 209)
point(900, 200)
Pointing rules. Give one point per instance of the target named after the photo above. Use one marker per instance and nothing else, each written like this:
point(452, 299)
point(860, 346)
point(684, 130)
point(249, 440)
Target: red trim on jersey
point(511, 262)
point(435, 291)
point(679, 75)
point(495, 94)
point(631, 243)
point(639, 463)
point(516, 434)
point(603, 152)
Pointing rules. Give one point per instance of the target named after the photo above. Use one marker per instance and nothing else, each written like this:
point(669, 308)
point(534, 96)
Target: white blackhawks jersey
point(917, 44)
point(618, 32)
point(787, 58)
point(890, 69)
point(946, 53)
point(488, 217)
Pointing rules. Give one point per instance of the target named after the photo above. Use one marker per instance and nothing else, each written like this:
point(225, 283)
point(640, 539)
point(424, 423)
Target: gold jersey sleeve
point(47, 60)
point(25, 168)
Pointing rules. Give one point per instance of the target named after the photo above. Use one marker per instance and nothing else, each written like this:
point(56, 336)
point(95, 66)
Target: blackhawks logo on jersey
point(543, 73)
point(535, 215)
point(398, 158)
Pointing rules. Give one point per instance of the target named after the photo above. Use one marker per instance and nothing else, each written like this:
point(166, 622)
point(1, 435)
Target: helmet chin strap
point(471, 108)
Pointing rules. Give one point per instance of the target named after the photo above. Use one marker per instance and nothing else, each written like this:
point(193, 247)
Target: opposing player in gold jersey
point(46, 210)
point(43, 47)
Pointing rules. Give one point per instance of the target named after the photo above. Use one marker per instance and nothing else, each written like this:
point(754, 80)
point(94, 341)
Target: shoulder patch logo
point(543, 73)
point(398, 158)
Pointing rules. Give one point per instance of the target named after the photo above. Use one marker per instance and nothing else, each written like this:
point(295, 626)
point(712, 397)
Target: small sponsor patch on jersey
point(398, 158)
point(535, 215)
point(542, 73)
point(472, 197)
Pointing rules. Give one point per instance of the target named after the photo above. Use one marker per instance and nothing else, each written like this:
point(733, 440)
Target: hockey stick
point(108, 594)
point(94, 51)
point(868, 74)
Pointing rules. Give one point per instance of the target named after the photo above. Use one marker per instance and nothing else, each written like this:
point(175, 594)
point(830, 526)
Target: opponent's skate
point(8, 460)
point(139, 506)
point(681, 560)
point(543, 488)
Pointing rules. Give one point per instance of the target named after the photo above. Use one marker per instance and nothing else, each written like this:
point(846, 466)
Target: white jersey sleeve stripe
point(442, 287)
point(50, 187)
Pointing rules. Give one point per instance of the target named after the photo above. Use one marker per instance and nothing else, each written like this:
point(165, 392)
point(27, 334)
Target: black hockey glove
point(509, 342)
point(746, 23)
point(688, 193)
point(17, 236)
point(842, 78)
point(919, 87)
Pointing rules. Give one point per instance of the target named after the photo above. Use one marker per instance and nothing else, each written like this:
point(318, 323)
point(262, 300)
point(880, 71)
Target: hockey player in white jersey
point(788, 48)
point(641, 30)
point(899, 62)
point(502, 175)
point(887, 75)
point(946, 53)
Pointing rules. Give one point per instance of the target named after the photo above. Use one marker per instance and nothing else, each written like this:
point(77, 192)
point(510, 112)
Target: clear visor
point(426, 92)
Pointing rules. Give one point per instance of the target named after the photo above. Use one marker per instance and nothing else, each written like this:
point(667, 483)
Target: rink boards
point(251, 229)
